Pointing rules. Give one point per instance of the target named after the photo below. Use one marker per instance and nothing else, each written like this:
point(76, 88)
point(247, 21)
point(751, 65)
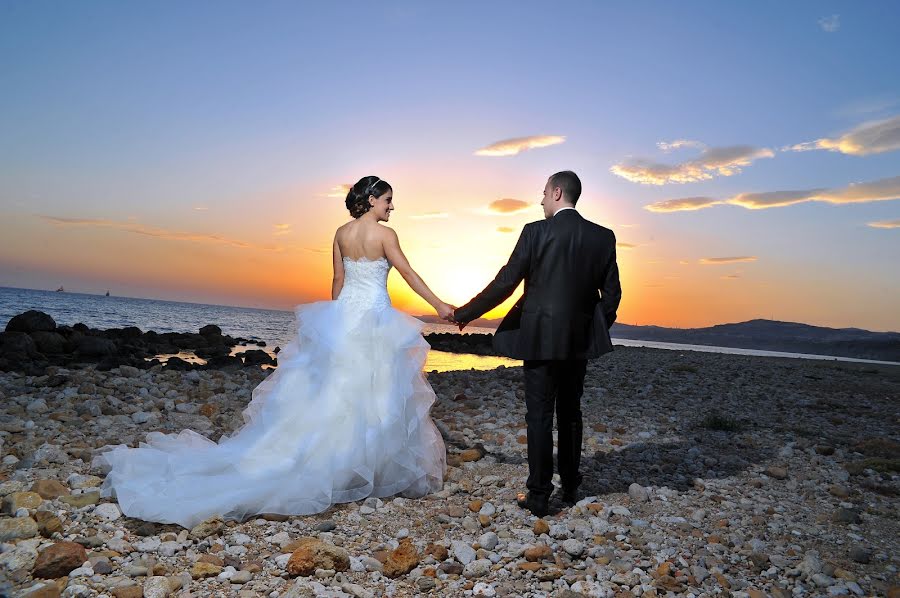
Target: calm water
point(275, 327)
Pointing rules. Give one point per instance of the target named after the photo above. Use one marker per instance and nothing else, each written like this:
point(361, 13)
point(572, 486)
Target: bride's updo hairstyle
point(358, 196)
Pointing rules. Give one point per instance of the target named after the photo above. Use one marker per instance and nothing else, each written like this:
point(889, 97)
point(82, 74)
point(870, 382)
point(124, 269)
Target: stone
point(21, 500)
point(573, 547)
point(241, 577)
point(485, 589)
point(31, 321)
point(79, 501)
point(208, 527)
point(402, 560)
point(462, 552)
point(17, 528)
point(860, 555)
point(326, 526)
point(839, 491)
point(108, 511)
point(538, 552)
point(541, 527)
point(58, 560)
point(202, 570)
point(478, 568)
point(438, 551)
point(156, 587)
point(315, 554)
point(843, 515)
point(488, 541)
point(472, 454)
point(128, 592)
point(49, 489)
point(47, 590)
point(779, 473)
point(638, 493)
point(20, 557)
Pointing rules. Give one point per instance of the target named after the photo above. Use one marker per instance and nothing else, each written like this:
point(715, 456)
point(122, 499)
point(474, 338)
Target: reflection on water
point(437, 361)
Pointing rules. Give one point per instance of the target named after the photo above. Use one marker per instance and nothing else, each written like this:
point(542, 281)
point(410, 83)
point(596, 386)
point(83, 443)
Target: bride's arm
point(338, 282)
point(398, 260)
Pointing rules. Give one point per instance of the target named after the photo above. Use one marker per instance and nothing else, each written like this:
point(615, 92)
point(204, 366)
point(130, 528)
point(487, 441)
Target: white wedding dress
point(344, 416)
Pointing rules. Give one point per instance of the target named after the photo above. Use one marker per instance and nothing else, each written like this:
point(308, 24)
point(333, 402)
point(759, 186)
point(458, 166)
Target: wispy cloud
point(161, 233)
point(885, 224)
point(668, 146)
point(622, 245)
point(830, 24)
point(282, 229)
point(715, 261)
point(430, 216)
point(505, 229)
point(508, 206)
point(685, 204)
point(511, 147)
point(731, 277)
point(874, 137)
point(880, 190)
point(713, 161)
point(201, 208)
point(340, 190)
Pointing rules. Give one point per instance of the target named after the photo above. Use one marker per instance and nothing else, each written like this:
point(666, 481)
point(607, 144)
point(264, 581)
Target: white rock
point(463, 552)
point(483, 589)
point(81, 572)
point(489, 540)
point(478, 568)
point(573, 547)
point(156, 587)
point(638, 493)
point(108, 511)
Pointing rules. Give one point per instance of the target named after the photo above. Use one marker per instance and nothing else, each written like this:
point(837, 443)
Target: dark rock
point(48, 342)
point(843, 515)
point(177, 364)
point(861, 555)
point(17, 345)
point(224, 361)
point(256, 357)
point(326, 526)
point(31, 321)
point(210, 329)
point(94, 346)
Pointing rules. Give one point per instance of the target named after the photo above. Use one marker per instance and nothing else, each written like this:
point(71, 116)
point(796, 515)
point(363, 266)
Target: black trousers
point(553, 385)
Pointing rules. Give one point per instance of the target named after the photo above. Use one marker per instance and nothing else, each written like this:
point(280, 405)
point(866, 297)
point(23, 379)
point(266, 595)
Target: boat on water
point(107, 293)
point(60, 290)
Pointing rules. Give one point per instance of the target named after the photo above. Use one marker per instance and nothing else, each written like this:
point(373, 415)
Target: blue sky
point(141, 113)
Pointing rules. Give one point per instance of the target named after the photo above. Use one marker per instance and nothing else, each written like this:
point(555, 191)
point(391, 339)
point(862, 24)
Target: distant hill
point(764, 335)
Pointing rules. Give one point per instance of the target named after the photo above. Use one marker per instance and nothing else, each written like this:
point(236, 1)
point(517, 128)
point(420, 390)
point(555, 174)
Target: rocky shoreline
point(32, 341)
point(705, 475)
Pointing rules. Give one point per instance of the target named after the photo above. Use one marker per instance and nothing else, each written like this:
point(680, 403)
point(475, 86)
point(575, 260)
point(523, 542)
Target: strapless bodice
point(365, 283)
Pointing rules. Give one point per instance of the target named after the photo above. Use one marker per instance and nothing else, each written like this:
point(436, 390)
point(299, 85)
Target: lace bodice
point(365, 283)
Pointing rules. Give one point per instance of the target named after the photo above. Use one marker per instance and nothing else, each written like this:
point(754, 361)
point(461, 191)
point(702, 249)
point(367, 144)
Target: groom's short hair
point(569, 184)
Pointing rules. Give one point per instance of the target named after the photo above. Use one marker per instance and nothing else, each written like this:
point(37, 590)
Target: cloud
point(140, 229)
point(282, 229)
point(511, 147)
point(830, 24)
point(430, 215)
point(678, 144)
point(340, 190)
point(685, 204)
point(508, 206)
point(715, 261)
point(885, 224)
point(874, 137)
point(505, 229)
point(880, 190)
point(621, 245)
point(201, 208)
point(730, 277)
point(713, 161)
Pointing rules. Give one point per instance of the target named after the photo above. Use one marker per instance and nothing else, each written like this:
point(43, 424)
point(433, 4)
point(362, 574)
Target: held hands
point(445, 311)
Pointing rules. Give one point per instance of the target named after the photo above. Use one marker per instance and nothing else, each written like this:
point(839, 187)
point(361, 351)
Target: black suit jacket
point(572, 291)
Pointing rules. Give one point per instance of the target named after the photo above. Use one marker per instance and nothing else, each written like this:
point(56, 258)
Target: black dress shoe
point(537, 506)
point(569, 495)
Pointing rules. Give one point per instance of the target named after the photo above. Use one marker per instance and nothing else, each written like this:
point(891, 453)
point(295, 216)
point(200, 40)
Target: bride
point(344, 416)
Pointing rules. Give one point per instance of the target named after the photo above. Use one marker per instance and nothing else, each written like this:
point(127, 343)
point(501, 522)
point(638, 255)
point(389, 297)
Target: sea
point(274, 327)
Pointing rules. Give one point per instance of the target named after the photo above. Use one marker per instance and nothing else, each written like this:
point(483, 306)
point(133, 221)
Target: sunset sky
point(747, 155)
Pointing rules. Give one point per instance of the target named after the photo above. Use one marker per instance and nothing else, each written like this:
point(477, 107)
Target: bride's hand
point(445, 311)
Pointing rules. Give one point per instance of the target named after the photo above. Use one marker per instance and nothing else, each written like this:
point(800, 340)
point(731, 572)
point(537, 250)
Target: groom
point(571, 295)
